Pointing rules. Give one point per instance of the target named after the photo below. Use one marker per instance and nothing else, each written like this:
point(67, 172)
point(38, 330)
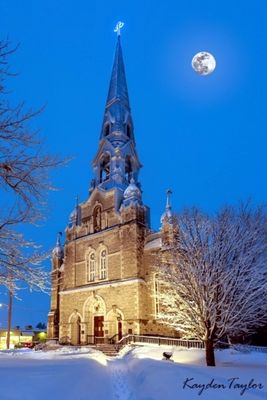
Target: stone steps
point(107, 349)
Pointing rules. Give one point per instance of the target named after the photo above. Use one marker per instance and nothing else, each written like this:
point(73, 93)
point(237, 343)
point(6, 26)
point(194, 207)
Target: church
point(103, 281)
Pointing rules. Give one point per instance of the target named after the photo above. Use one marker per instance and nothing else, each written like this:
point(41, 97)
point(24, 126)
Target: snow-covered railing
point(248, 348)
point(161, 340)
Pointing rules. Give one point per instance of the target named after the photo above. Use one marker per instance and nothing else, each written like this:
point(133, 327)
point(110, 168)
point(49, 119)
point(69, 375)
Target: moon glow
point(204, 63)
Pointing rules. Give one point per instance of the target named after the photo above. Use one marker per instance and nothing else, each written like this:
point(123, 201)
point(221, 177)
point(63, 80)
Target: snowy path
point(139, 375)
point(121, 386)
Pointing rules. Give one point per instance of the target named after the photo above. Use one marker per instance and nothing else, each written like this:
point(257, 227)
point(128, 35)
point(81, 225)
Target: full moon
point(204, 63)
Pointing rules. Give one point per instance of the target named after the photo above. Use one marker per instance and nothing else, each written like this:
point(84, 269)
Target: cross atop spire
point(118, 27)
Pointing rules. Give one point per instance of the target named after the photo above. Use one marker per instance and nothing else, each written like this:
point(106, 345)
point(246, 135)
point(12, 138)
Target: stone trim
point(103, 284)
point(95, 234)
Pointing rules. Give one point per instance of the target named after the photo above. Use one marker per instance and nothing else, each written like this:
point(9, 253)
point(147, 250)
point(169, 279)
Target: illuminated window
point(91, 267)
point(156, 294)
point(103, 265)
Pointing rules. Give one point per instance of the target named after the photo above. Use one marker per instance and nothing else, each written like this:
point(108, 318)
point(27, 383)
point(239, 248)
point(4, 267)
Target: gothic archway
point(94, 315)
point(114, 324)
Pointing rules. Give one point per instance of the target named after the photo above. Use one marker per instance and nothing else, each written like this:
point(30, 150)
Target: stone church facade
point(103, 280)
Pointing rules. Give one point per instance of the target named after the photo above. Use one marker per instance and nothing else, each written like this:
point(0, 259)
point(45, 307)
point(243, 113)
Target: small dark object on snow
point(167, 355)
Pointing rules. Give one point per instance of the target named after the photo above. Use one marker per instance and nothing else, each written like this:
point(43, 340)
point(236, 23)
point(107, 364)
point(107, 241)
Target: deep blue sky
point(204, 137)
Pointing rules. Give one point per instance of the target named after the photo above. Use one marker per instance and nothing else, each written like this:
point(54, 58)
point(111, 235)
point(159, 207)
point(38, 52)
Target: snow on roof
point(153, 244)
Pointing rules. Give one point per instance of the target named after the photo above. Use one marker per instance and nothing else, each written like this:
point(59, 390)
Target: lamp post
point(9, 316)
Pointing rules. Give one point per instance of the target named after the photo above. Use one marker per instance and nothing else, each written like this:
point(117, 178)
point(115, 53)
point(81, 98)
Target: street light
point(9, 317)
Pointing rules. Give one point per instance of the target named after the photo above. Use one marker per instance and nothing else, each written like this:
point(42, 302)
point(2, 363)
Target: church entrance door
point(98, 328)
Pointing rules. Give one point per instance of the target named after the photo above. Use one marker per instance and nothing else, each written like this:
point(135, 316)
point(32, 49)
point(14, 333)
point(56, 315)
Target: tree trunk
point(210, 358)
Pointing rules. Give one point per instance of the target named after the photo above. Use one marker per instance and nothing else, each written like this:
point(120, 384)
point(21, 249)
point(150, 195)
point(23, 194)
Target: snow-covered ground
point(139, 374)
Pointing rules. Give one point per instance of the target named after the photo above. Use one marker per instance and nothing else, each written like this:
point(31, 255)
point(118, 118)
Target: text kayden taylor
point(234, 384)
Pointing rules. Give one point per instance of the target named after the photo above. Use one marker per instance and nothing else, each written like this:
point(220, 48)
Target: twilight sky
point(203, 137)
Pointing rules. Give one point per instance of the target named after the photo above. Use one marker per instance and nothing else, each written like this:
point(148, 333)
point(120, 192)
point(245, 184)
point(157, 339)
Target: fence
point(160, 340)
point(245, 348)
point(189, 344)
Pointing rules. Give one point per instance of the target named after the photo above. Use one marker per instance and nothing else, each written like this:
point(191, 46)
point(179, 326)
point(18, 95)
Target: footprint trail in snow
point(120, 381)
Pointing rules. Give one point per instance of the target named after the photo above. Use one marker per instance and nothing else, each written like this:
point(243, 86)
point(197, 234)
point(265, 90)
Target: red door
point(98, 326)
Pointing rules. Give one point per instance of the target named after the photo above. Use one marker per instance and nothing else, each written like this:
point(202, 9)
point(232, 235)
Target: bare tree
point(24, 166)
point(24, 184)
point(21, 262)
point(213, 281)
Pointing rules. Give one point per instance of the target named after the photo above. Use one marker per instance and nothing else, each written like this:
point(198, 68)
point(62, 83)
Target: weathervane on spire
point(118, 28)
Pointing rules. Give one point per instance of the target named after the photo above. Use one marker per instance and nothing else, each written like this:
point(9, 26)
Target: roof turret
point(58, 250)
point(167, 217)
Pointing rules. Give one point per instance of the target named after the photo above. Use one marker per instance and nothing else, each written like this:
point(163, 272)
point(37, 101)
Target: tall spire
point(118, 86)
point(116, 161)
point(168, 200)
point(117, 116)
point(75, 216)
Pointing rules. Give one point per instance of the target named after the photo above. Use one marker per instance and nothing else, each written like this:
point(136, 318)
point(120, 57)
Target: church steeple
point(118, 91)
point(116, 161)
point(117, 116)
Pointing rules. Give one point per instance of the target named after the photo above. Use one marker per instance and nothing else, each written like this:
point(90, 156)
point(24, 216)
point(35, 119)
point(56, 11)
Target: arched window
point(156, 294)
point(128, 168)
point(97, 219)
point(128, 130)
point(105, 168)
point(107, 129)
point(103, 265)
point(91, 267)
